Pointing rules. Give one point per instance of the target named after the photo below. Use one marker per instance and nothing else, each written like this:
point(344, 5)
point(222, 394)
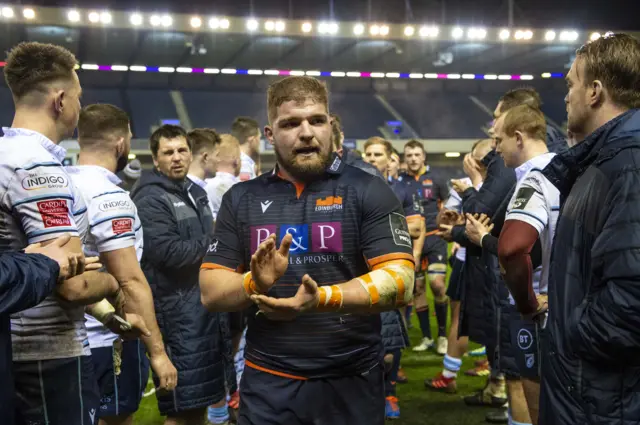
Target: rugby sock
point(442, 309)
point(423, 318)
point(409, 309)
point(451, 366)
point(218, 415)
point(392, 375)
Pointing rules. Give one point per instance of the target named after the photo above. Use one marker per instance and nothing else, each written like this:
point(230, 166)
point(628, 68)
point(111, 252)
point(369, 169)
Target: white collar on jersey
point(245, 157)
point(106, 173)
point(226, 176)
point(56, 150)
point(197, 180)
point(539, 161)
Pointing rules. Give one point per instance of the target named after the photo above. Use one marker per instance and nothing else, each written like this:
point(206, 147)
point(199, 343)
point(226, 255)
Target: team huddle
point(305, 275)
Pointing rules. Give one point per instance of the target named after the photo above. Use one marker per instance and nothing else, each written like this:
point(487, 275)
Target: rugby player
point(247, 131)
point(313, 349)
point(432, 191)
point(54, 376)
point(205, 145)
point(532, 214)
point(378, 152)
point(115, 234)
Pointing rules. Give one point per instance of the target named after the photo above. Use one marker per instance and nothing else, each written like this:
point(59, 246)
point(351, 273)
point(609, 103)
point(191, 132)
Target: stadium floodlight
point(431, 76)
point(568, 35)
point(384, 30)
point(280, 26)
point(550, 35)
point(137, 68)
point(504, 77)
point(476, 33)
point(94, 17)
point(211, 71)
point(377, 75)
point(166, 69)
point(526, 77)
point(296, 73)
point(409, 31)
point(338, 74)
point(307, 27)
point(135, 19)
point(252, 25)
point(490, 77)
point(214, 23)
point(392, 75)
point(269, 25)
point(519, 35)
point(225, 24)
point(119, 68)
point(271, 72)
point(333, 28)
point(504, 34)
point(594, 36)
point(452, 154)
point(313, 73)
point(254, 72)
point(427, 31)
point(90, 67)
point(155, 20)
point(546, 75)
point(166, 21)
point(374, 30)
point(184, 70)
point(453, 76)
point(354, 74)
point(468, 76)
point(28, 13)
point(229, 71)
point(132, 156)
point(528, 35)
point(328, 28)
point(105, 18)
point(457, 32)
point(7, 12)
point(196, 22)
point(358, 29)
point(416, 75)
point(73, 16)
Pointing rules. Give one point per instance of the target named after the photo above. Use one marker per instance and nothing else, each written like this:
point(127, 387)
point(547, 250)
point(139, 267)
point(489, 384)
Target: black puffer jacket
point(591, 367)
point(394, 333)
point(556, 141)
point(483, 289)
point(178, 227)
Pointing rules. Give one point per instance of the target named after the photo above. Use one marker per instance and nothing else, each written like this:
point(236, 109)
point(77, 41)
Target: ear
point(596, 93)
point(268, 133)
point(519, 138)
point(155, 161)
point(120, 146)
point(59, 102)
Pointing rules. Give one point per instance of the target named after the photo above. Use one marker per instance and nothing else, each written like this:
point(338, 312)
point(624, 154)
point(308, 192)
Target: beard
point(122, 163)
point(304, 169)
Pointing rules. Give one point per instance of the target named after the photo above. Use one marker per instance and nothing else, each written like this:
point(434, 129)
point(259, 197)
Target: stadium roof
point(172, 48)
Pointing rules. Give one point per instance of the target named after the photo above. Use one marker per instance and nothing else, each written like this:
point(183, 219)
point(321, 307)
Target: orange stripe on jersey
point(403, 263)
point(433, 232)
point(415, 217)
point(273, 372)
point(399, 283)
point(389, 257)
point(212, 266)
point(299, 188)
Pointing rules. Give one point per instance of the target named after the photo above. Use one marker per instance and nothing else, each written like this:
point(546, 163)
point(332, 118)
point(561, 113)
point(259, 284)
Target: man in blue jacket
point(591, 367)
point(178, 228)
point(25, 280)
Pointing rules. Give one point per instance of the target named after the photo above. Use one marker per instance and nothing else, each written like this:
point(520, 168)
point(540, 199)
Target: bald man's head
point(481, 148)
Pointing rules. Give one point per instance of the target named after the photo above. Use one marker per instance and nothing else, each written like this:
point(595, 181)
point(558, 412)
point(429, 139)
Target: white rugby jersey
point(38, 202)
point(217, 187)
point(537, 202)
point(202, 184)
point(247, 167)
point(113, 224)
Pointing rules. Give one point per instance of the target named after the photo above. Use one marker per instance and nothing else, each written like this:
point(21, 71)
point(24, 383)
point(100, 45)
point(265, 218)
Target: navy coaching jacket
point(25, 280)
point(591, 367)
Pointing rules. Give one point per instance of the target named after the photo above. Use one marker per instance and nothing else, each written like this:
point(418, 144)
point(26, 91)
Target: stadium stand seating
point(147, 108)
point(6, 107)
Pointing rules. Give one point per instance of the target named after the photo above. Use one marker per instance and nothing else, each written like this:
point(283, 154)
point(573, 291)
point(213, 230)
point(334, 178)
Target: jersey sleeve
point(529, 205)
point(384, 233)
point(226, 250)
point(42, 197)
point(112, 218)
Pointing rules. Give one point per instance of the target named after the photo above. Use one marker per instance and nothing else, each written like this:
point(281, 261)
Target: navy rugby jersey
point(410, 203)
point(343, 226)
point(431, 191)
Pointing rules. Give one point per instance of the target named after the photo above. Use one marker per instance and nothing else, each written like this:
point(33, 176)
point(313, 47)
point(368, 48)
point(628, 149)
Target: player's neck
point(226, 168)
point(246, 149)
point(534, 149)
point(38, 121)
point(98, 159)
point(197, 171)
